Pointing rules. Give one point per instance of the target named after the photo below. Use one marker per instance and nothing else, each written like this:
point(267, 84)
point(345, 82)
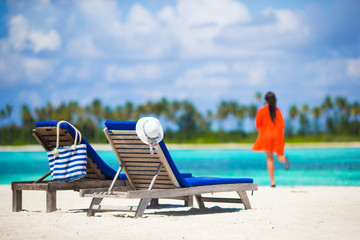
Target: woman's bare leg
point(285, 160)
point(270, 166)
point(281, 158)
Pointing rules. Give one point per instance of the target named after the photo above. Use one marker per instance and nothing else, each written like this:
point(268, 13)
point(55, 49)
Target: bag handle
point(77, 139)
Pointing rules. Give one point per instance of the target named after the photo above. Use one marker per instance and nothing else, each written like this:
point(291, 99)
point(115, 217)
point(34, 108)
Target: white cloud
point(101, 18)
point(287, 21)
point(328, 72)
point(251, 73)
point(22, 38)
point(31, 98)
point(215, 68)
point(18, 32)
point(137, 72)
point(140, 20)
point(219, 13)
point(82, 47)
point(99, 11)
point(42, 41)
point(198, 23)
point(256, 76)
point(269, 34)
point(203, 80)
point(37, 70)
point(353, 67)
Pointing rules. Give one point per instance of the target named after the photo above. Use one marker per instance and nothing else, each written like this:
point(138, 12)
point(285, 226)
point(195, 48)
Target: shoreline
point(171, 146)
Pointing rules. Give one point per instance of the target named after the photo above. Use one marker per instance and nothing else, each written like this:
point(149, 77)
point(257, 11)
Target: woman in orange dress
point(269, 122)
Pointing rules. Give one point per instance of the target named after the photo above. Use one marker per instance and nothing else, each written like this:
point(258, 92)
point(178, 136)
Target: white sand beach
point(278, 213)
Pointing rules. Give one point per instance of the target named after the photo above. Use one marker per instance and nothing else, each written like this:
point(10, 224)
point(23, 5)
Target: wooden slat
point(128, 141)
point(122, 132)
point(132, 151)
point(150, 160)
point(139, 155)
point(135, 164)
point(131, 146)
point(52, 138)
point(176, 192)
point(146, 173)
point(148, 181)
point(156, 186)
point(150, 177)
point(105, 208)
point(141, 168)
point(137, 161)
point(222, 200)
point(120, 139)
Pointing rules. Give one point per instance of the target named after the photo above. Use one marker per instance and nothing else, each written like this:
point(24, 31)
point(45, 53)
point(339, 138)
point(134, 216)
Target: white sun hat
point(150, 131)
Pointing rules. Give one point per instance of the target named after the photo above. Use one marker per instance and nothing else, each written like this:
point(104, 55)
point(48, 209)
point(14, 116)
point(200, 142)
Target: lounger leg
point(154, 202)
point(245, 199)
point(142, 206)
point(189, 202)
point(50, 201)
point(94, 201)
point(17, 200)
point(199, 201)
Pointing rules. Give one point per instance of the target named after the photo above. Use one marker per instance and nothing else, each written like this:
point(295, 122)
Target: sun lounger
point(156, 176)
point(99, 174)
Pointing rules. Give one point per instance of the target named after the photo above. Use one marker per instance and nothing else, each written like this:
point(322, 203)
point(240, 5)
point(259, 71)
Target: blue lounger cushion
point(184, 181)
point(108, 171)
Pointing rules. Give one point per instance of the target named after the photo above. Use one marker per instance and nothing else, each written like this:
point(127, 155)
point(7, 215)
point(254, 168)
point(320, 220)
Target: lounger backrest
point(45, 134)
point(134, 156)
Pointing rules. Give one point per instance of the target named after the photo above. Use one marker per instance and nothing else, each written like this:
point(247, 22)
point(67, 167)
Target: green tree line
point(333, 120)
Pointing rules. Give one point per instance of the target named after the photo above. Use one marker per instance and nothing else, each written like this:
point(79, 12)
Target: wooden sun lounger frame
point(151, 177)
point(46, 137)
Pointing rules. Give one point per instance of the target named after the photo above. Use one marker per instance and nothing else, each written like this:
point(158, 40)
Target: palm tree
point(355, 110)
point(2, 114)
point(252, 110)
point(187, 121)
point(222, 113)
point(27, 118)
point(316, 112)
point(128, 111)
point(173, 110)
point(326, 107)
point(355, 125)
point(293, 113)
point(116, 114)
point(303, 119)
point(8, 111)
point(74, 111)
point(344, 111)
point(240, 115)
point(232, 109)
point(97, 110)
point(258, 99)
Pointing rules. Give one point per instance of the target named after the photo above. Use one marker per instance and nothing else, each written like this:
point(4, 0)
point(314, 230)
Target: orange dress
point(271, 134)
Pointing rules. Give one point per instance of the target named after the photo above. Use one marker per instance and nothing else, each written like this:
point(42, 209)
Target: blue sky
point(204, 51)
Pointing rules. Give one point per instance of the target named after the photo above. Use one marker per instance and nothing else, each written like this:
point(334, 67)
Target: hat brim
point(140, 129)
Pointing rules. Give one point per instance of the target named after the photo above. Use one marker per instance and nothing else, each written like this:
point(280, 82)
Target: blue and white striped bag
point(68, 163)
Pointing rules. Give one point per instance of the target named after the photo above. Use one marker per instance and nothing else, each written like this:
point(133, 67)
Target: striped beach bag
point(68, 163)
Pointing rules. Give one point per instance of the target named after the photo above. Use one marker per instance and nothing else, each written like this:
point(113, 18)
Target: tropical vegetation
point(335, 119)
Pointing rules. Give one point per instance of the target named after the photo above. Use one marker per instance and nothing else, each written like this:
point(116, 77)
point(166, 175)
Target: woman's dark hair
point(270, 98)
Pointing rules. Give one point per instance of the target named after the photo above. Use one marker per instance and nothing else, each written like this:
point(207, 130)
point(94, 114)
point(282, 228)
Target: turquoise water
point(316, 167)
